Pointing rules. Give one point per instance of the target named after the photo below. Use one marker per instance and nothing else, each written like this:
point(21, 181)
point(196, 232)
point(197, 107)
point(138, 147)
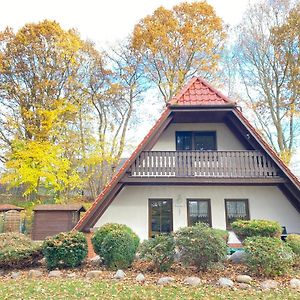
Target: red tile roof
point(199, 92)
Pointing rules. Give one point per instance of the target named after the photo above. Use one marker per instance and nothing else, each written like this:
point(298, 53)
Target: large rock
point(243, 286)
point(93, 274)
point(55, 273)
point(140, 278)
point(15, 275)
point(165, 280)
point(35, 273)
point(96, 260)
point(119, 275)
point(193, 281)
point(71, 275)
point(295, 283)
point(244, 279)
point(238, 257)
point(269, 284)
point(225, 282)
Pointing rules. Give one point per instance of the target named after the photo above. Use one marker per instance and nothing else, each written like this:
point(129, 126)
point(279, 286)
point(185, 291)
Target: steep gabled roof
point(197, 93)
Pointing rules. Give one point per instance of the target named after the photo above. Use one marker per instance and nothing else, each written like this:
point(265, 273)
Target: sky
point(105, 22)
point(99, 20)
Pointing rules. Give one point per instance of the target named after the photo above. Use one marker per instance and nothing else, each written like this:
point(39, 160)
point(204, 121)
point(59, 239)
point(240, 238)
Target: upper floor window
point(196, 140)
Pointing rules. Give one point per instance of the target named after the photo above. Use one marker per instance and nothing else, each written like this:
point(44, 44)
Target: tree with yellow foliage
point(179, 43)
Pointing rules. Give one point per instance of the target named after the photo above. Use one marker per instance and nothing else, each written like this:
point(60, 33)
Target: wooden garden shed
point(50, 219)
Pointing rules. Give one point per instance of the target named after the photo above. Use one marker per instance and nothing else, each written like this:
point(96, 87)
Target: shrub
point(222, 233)
point(293, 241)
point(66, 249)
point(268, 256)
point(18, 251)
point(118, 249)
point(160, 250)
point(103, 231)
point(248, 228)
point(200, 246)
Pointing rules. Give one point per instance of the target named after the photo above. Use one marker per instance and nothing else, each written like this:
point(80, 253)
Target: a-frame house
point(201, 161)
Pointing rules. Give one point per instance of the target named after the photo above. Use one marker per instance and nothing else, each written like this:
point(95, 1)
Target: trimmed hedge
point(293, 241)
point(200, 246)
point(103, 231)
point(18, 251)
point(116, 244)
point(160, 250)
point(66, 249)
point(118, 249)
point(268, 256)
point(249, 228)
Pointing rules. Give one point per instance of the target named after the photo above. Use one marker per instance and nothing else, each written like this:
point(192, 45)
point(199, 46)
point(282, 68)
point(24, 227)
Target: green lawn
point(83, 289)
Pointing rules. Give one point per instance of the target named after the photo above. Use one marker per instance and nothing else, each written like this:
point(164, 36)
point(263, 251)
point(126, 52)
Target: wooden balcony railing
point(222, 164)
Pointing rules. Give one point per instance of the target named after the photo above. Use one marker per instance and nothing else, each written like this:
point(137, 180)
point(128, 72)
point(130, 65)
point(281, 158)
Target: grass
point(84, 289)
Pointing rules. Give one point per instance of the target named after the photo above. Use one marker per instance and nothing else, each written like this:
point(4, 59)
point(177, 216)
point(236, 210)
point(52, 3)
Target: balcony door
point(160, 216)
point(196, 140)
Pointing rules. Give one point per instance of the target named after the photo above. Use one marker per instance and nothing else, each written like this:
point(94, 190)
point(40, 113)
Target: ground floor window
point(236, 209)
point(198, 210)
point(160, 216)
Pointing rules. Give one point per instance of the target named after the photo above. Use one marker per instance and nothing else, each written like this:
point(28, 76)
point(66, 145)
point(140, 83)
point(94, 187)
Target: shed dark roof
point(60, 207)
point(7, 207)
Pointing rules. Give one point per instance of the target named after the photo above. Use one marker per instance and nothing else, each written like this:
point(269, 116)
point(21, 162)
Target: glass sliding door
point(160, 216)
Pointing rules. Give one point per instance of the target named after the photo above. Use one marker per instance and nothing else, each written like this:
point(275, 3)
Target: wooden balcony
point(203, 164)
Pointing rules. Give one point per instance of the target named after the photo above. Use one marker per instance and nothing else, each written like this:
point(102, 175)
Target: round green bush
point(200, 246)
point(18, 251)
point(248, 228)
point(160, 250)
point(118, 249)
point(66, 249)
point(268, 256)
point(293, 241)
point(103, 231)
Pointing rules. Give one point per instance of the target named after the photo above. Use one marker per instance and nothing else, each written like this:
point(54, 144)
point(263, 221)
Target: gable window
point(196, 140)
point(198, 211)
point(160, 216)
point(236, 209)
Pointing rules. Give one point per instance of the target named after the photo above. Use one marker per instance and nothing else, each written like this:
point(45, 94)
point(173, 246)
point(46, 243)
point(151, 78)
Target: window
point(160, 216)
point(198, 211)
point(196, 140)
point(236, 209)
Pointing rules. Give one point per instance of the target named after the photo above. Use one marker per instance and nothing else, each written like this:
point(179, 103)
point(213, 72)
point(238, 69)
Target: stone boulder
point(140, 278)
point(295, 283)
point(244, 279)
point(119, 275)
point(165, 280)
point(15, 275)
point(55, 273)
point(225, 282)
point(269, 284)
point(35, 274)
point(193, 281)
point(93, 274)
point(238, 257)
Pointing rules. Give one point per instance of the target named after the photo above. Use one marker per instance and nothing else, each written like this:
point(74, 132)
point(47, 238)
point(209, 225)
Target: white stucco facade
point(130, 207)
point(226, 140)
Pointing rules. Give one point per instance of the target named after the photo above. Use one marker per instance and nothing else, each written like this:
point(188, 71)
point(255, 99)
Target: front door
point(160, 216)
